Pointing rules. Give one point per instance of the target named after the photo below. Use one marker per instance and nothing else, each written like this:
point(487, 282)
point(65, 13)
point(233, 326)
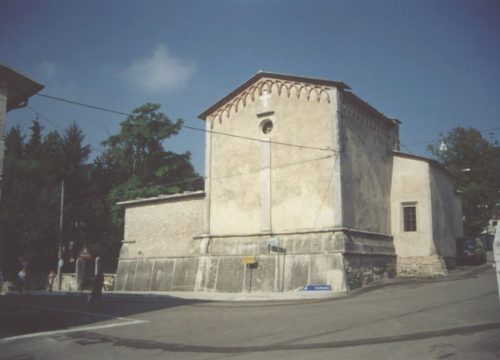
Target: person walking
point(21, 280)
point(1, 282)
point(52, 277)
point(96, 295)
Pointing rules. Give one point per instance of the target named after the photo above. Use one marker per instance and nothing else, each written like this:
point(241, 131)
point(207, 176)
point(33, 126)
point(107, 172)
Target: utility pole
point(60, 260)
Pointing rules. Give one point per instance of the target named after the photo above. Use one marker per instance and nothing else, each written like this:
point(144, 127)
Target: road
point(456, 318)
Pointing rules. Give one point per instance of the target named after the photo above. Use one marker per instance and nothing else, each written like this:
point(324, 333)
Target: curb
point(194, 296)
point(456, 274)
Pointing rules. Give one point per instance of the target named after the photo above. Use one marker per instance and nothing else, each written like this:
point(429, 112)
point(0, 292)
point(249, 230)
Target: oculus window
point(266, 126)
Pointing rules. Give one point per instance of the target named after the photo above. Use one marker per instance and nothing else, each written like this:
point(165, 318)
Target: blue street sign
point(317, 288)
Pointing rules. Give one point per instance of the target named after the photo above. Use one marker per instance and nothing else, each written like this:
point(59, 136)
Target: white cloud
point(163, 71)
point(48, 69)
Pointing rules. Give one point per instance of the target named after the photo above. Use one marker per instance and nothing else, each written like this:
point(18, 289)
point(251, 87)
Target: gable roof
point(263, 74)
point(431, 162)
point(19, 87)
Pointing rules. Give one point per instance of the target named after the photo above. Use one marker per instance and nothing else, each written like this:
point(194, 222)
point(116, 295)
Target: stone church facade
point(304, 184)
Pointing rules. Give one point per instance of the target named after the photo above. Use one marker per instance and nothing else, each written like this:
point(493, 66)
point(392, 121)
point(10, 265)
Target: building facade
point(304, 184)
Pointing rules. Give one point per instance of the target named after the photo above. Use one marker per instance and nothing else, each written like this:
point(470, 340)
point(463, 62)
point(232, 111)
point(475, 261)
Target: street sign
point(317, 287)
point(272, 242)
point(85, 254)
point(248, 260)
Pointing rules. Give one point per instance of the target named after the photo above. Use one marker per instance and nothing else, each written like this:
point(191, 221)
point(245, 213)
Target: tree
point(34, 144)
point(30, 209)
point(28, 203)
point(134, 164)
point(140, 164)
point(138, 147)
point(475, 164)
point(73, 170)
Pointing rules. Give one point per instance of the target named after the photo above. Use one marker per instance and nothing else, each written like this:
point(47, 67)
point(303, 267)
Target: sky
point(434, 65)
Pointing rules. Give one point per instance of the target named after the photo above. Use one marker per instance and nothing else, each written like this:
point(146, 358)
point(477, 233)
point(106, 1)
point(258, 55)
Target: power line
point(406, 147)
point(83, 104)
point(436, 140)
point(100, 108)
point(218, 178)
point(259, 140)
point(281, 166)
point(245, 138)
point(38, 114)
point(184, 126)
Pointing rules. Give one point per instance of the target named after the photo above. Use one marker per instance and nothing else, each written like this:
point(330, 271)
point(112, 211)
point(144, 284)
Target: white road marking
point(123, 322)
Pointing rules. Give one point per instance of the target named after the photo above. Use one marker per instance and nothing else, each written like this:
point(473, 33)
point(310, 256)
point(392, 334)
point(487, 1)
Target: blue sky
point(434, 65)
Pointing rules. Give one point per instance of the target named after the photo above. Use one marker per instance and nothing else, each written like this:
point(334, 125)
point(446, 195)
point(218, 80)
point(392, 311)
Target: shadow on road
point(22, 314)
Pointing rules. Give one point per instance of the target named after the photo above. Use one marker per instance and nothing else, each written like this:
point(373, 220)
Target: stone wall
point(69, 282)
point(369, 257)
point(162, 226)
point(418, 266)
point(273, 272)
point(295, 260)
point(362, 270)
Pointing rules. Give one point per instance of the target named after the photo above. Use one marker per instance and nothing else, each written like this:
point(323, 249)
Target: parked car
point(470, 250)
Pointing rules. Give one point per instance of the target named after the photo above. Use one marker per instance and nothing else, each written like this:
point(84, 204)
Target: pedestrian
point(52, 277)
point(1, 282)
point(21, 280)
point(96, 295)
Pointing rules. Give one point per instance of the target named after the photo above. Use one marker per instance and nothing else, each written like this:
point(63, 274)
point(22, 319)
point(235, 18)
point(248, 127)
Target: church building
point(305, 185)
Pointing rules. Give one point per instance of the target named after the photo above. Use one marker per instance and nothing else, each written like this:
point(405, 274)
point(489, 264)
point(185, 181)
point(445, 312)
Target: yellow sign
point(248, 260)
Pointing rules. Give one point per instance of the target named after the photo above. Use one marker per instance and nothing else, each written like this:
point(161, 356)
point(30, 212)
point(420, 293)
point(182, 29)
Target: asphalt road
point(450, 319)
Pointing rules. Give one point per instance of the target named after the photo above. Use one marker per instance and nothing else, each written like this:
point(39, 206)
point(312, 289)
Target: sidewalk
point(454, 274)
point(194, 295)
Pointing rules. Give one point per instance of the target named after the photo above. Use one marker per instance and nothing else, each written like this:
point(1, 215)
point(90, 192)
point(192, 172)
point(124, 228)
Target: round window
point(266, 126)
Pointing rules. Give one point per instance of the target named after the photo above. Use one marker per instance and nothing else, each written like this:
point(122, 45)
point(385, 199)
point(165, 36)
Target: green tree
point(475, 164)
point(74, 171)
point(27, 203)
point(30, 206)
point(34, 144)
point(139, 162)
point(138, 146)
point(134, 164)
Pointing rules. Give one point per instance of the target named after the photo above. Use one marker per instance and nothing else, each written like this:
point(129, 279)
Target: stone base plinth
point(341, 258)
point(421, 266)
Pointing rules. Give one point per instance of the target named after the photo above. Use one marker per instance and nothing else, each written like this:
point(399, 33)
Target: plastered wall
point(446, 213)
point(411, 185)
point(366, 166)
point(266, 185)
